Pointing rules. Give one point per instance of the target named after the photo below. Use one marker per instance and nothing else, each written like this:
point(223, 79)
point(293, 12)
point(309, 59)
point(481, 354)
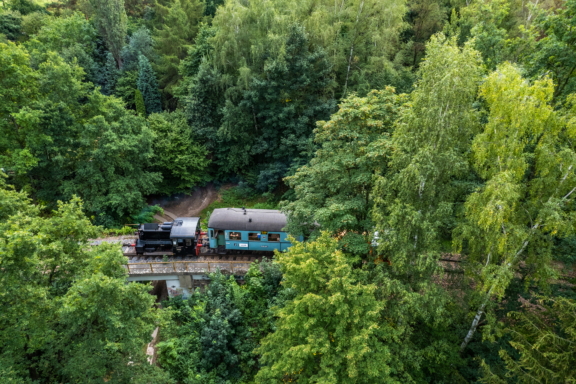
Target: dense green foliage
point(335, 189)
point(110, 19)
point(215, 332)
point(64, 305)
point(332, 331)
point(177, 154)
point(68, 139)
point(425, 149)
point(544, 338)
point(148, 86)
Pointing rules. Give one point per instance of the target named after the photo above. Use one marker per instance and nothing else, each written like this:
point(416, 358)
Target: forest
point(425, 149)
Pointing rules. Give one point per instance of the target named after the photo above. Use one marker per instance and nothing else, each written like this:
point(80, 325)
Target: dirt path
point(183, 205)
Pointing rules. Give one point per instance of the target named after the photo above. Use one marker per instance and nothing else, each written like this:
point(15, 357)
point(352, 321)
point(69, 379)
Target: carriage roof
point(247, 219)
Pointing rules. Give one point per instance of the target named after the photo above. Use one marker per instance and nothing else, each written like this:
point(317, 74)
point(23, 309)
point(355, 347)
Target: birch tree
point(526, 157)
point(359, 36)
point(430, 144)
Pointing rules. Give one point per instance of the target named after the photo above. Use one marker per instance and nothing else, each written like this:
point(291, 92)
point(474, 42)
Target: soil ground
point(184, 205)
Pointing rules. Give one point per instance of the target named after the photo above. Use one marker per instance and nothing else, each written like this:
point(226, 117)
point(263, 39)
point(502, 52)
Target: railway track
point(234, 262)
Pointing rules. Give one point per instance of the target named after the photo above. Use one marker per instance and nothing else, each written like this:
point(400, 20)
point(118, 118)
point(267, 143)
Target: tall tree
point(110, 17)
point(11, 25)
point(201, 50)
point(67, 139)
point(426, 17)
point(544, 335)
point(279, 110)
point(431, 142)
point(203, 111)
point(360, 37)
point(527, 159)
point(550, 47)
point(173, 37)
point(75, 39)
point(179, 155)
point(140, 107)
point(64, 303)
point(148, 86)
point(126, 88)
point(334, 189)
point(488, 22)
point(110, 75)
point(140, 43)
point(215, 332)
point(18, 88)
point(335, 329)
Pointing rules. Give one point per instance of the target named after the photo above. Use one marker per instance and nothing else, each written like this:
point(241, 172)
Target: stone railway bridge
point(182, 274)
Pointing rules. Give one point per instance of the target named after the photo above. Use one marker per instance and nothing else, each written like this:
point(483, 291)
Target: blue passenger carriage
point(247, 230)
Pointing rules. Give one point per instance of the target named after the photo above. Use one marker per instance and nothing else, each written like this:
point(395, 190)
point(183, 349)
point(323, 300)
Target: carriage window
point(254, 236)
point(234, 236)
point(274, 237)
point(211, 233)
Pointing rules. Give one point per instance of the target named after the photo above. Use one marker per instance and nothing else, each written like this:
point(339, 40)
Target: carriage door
point(221, 240)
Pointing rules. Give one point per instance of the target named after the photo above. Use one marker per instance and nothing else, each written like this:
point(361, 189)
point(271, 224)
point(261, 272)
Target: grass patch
point(237, 197)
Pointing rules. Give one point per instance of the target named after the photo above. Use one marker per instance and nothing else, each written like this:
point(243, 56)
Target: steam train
point(229, 230)
point(179, 236)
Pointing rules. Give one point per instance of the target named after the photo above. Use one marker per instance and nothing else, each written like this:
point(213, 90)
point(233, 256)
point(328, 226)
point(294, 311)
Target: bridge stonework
point(183, 277)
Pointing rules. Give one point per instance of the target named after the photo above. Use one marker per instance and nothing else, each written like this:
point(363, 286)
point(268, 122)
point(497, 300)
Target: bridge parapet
point(192, 267)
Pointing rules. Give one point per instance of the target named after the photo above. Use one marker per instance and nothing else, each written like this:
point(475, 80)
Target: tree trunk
point(352, 47)
point(348, 73)
point(481, 309)
point(474, 324)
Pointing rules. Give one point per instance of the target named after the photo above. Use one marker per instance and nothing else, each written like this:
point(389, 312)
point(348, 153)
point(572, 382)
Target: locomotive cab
point(178, 236)
point(184, 234)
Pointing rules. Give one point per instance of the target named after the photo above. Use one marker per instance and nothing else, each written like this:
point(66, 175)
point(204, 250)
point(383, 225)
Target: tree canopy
point(65, 306)
point(423, 149)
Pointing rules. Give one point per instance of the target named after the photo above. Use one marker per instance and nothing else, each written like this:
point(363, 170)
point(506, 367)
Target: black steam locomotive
point(180, 236)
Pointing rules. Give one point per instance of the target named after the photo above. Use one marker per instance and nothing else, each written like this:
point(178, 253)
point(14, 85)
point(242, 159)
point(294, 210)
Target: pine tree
point(545, 336)
point(140, 43)
point(148, 86)
point(111, 22)
point(140, 107)
point(109, 76)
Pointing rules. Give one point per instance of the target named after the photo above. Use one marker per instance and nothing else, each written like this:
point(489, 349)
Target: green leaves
point(178, 156)
point(431, 142)
point(332, 331)
point(110, 18)
point(334, 189)
point(528, 166)
point(67, 313)
point(176, 27)
point(61, 139)
point(544, 335)
point(148, 86)
point(215, 332)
